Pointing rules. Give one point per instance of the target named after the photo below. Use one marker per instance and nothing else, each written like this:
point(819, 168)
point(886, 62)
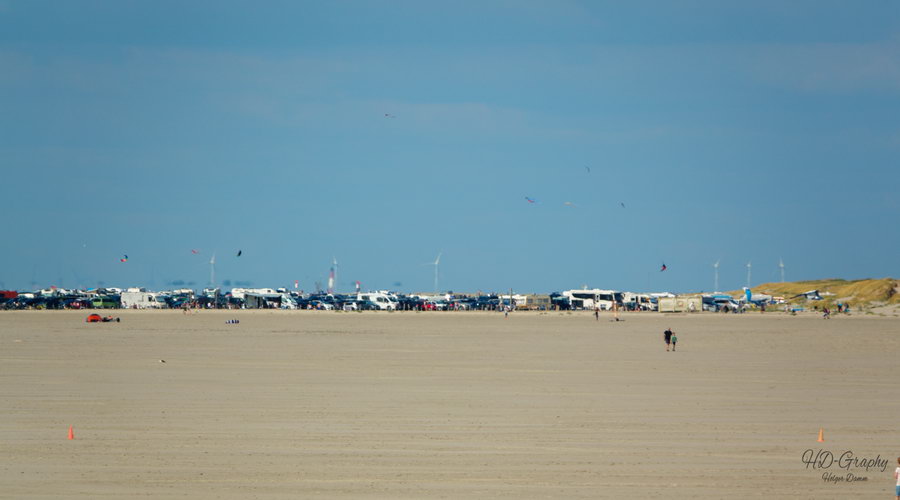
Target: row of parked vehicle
point(25, 302)
point(380, 301)
point(280, 299)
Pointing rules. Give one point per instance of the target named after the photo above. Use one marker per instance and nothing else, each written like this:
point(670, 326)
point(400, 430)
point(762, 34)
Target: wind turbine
point(781, 266)
point(716, 267)
point(436, 264)
point(749, 266)
point(212, 271)
point(335, 267)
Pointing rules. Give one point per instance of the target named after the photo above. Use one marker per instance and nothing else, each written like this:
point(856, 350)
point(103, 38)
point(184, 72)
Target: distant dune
point(869, 292)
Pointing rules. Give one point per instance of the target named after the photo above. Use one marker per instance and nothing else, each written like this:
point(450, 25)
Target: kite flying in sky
point(530, 200)
point(570, 204)
point(663, 267)
point(622, 204)
point(194, 251)
point(240, 252)
point(388, 115)
point(587, 168)
point(124, 258)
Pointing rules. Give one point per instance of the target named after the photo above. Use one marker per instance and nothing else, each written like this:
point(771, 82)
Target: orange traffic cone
point(821, 435)
point(71, 433)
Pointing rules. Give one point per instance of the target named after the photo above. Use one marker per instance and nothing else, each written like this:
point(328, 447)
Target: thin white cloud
point(828, 67)
point(322, 87)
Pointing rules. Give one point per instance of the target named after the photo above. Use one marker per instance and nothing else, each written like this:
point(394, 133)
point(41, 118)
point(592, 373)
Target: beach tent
point(94, 318)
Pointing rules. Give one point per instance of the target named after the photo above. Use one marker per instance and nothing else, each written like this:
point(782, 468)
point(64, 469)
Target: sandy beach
point(306, 404)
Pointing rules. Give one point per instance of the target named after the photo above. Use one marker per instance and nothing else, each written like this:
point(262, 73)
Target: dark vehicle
point(323, 298)
point(559, 301)
point(463, 304)
point(487, 303)
point(367, 305)
point(178, 301)
point(77, 304)
point(410, 304)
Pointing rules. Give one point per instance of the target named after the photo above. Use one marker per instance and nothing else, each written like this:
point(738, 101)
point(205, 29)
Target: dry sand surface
point(444, 405)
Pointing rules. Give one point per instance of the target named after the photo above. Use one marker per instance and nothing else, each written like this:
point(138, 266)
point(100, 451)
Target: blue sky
point(733, 131)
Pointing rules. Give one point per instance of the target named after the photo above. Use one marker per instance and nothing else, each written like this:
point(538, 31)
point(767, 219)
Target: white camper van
point(142, 300)
point(382, 300)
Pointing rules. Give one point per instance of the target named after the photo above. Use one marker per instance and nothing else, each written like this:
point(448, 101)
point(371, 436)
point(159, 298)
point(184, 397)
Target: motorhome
point(239, 293)
point(529, 302)
point(138, 299)
point(593, 298)
point(382, 300)
point(638, 302)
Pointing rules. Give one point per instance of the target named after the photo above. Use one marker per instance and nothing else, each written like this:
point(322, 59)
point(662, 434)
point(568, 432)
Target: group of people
point(841, 308)
point(670, 338)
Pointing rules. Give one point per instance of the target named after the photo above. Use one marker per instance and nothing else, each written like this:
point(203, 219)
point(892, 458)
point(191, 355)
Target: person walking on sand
point(667, 336)
point(597, 313)
point(674, 341)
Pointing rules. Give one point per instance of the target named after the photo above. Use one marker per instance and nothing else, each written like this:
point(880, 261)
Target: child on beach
point(897, 477)
point(674, 341)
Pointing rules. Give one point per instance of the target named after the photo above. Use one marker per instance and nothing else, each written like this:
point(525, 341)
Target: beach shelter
point(94, 318)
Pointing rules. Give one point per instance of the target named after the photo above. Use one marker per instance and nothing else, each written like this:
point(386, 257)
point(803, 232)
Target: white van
point(381, 300)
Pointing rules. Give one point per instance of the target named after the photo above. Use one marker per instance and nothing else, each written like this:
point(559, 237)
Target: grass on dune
point(860, 292)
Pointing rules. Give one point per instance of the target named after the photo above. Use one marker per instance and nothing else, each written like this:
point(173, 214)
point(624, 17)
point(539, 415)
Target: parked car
point(368, 305)
point(321, 305)
point(410, 304)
